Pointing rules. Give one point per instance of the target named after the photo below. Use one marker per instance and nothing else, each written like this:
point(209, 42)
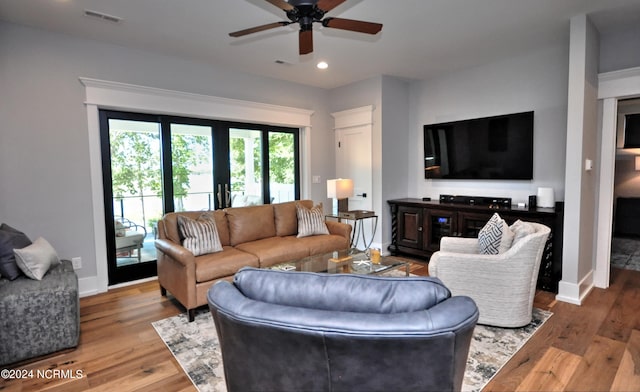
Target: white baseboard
point(125, 284)
point(575, 293)
point(88, 286)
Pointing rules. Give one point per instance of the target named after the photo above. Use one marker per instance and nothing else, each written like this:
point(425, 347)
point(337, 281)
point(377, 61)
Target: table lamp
point(340, 190)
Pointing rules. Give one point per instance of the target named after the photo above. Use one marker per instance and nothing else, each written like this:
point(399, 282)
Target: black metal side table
point(357, 216)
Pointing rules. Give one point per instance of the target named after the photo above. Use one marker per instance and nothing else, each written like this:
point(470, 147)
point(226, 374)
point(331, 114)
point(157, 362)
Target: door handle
point(219, 195)
point(363, 194)
point(227, 195)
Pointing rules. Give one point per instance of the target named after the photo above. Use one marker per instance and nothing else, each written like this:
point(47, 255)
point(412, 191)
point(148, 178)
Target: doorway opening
point(625, 239)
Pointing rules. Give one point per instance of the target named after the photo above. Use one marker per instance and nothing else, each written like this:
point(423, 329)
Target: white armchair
point(129, 236)
point(502, 285)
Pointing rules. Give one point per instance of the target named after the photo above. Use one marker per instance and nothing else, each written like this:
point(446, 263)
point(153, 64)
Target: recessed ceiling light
point(322, 65)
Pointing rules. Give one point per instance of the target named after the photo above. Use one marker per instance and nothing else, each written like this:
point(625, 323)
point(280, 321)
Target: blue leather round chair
point(302, 331)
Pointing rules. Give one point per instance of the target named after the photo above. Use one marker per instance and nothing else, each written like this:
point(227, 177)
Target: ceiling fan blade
point(305, 40)
point(352, 25)
point(282, 5)
point(328, 5)
point(258, 28)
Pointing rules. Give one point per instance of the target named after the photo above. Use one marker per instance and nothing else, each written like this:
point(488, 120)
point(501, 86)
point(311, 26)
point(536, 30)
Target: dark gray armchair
point(301, 331)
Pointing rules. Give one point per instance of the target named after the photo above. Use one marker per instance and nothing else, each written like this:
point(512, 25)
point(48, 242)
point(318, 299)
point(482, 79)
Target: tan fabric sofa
point(256, 236)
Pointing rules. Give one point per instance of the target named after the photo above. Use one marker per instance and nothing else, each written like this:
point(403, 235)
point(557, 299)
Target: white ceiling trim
point(130, 97)
point(353, 117)
point(620, 84)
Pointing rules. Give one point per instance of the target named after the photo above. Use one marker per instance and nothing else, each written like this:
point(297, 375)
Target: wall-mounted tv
point(490, 148)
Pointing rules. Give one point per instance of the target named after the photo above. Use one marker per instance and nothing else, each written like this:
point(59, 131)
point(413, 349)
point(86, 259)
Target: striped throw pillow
point(200, 236)
point(311, 221)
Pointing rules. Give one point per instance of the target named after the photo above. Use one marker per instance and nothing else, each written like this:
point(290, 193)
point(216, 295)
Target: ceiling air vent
point(102, 16)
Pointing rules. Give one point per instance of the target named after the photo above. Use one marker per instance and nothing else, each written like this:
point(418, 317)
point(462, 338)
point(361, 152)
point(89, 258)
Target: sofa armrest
point(177, 252)
point(339, 228)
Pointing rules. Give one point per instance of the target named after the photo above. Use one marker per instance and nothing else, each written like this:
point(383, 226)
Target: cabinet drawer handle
point(419, 228)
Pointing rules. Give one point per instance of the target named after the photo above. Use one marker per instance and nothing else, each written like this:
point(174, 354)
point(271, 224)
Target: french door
point(154, 164)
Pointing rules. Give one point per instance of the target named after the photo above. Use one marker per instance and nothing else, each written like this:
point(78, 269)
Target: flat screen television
point(490, 148)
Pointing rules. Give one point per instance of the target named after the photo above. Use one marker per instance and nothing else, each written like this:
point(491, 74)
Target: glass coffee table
point(348, 261)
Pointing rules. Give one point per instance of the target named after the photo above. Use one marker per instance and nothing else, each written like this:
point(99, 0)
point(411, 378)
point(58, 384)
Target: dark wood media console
point(418, 226)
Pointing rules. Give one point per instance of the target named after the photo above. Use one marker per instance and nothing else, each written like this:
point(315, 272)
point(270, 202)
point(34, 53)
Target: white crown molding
point(353, 117)
point(115, 95)
point(619, 84)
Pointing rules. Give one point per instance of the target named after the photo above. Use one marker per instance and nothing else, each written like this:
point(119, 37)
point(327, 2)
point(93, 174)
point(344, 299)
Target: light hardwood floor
point(593, 347)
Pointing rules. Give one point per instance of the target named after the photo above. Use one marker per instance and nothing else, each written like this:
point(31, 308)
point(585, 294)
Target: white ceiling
point(420, 38)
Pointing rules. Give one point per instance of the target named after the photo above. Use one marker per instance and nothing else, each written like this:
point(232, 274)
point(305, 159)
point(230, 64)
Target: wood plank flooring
point(593, 347)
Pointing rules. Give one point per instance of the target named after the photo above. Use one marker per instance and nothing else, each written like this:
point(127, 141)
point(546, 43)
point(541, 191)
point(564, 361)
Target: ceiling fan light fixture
point(322, 65)
point(306, 13)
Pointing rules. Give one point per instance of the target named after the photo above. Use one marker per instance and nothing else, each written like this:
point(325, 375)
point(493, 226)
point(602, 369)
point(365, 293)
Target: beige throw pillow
point(36, 259)
point(200, 236)
point(311, 221)
point(520, 230)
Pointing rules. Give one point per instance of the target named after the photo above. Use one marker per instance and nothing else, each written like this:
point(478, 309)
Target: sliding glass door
point(192, 167)
point(154, 164)
point(264, 165)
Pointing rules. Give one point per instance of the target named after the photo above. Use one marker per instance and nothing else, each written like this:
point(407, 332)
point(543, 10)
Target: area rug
point(195, 346)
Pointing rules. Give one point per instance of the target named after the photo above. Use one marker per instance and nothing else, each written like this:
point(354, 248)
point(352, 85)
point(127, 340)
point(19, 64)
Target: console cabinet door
point(470, 223)
point(438, 224)
point(410, 227)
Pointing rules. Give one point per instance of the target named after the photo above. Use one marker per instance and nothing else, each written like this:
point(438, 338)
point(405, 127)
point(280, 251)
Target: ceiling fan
point(305, 13)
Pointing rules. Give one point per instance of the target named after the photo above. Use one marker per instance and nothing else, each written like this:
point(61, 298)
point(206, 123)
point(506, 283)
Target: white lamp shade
point(340, 188)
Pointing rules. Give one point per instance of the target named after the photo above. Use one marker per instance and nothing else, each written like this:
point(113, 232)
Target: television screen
point(632, 130)
point(490, 148)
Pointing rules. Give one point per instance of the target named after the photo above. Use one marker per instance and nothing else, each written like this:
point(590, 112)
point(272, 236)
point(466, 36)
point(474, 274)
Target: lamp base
point(340, 205)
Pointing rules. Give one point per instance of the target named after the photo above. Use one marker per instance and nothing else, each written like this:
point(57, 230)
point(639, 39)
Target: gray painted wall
point(619, 49)
point(44, 156)
point(536, 81)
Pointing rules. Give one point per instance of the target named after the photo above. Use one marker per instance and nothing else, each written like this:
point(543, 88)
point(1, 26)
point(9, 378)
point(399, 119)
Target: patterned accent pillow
point(200, 236)
point(495, 237)
point(311, 221)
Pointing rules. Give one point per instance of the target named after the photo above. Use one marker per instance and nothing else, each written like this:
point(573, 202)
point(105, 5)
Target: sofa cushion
point(319, 244)
point(311, 221)
point(10, 239)
point(222, 264)
point(36, 259)
point(172, 233)
point(200, 236)
point(220, 216)
point(131, 239)
point(275, 250)
point(287, 218)
point(250, 223)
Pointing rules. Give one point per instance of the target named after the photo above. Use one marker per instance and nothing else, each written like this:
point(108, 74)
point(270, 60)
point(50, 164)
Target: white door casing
point(612, 86)
point(353, 146)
